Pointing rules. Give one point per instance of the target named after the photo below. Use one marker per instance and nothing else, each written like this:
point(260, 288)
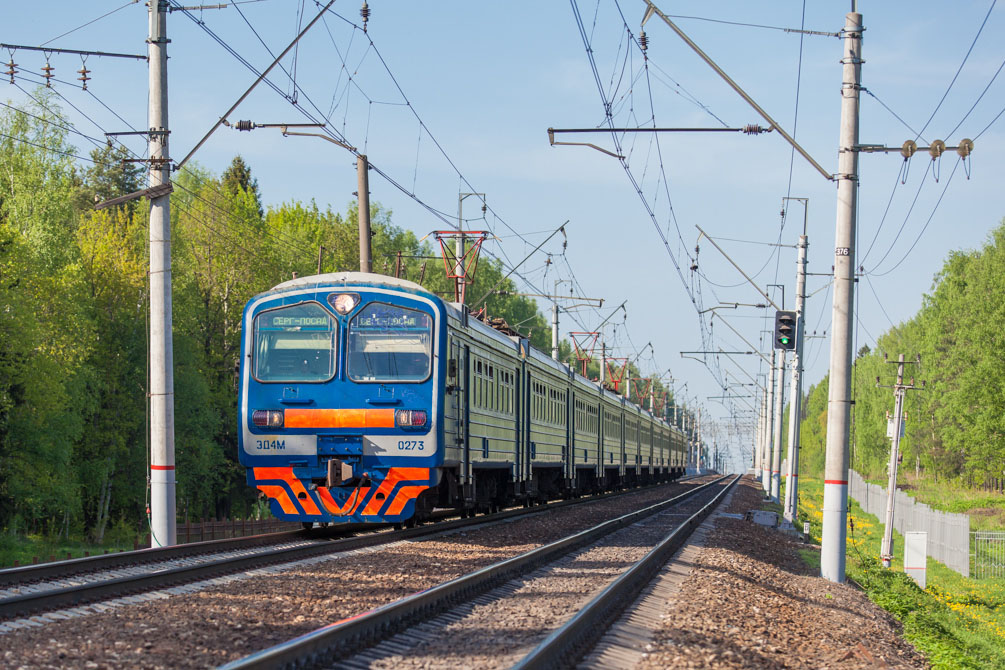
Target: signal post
point(784, 340)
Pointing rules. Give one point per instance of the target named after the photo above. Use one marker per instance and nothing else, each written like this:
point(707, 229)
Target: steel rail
point(566, 644)
point(75, 566)
point(72, 596)
point(365, 629)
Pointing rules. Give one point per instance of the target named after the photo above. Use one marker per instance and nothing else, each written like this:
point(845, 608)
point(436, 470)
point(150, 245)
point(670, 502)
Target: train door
point(519, 419)
point(570, 438)
point(460, 353)
point(601, 425)
point(622, 415)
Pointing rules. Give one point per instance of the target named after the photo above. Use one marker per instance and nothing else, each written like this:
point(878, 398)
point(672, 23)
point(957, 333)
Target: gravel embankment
point(504, 625)
point(752, 602)
point(220, 624)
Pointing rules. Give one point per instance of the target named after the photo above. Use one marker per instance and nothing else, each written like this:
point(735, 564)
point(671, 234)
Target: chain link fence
point(948, 533)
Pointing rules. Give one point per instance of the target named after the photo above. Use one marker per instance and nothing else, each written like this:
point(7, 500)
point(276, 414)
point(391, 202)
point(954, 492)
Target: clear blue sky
point(487, 79)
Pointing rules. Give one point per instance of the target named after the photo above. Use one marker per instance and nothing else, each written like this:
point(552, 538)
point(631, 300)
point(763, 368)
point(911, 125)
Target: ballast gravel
point(216, 625)
point(752, 602)
point(504, 625)
point(749, 602)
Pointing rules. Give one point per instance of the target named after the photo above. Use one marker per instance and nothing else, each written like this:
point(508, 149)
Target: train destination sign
point(391, 318)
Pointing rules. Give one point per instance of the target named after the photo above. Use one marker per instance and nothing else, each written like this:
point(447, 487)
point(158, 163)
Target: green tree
point(47, 334)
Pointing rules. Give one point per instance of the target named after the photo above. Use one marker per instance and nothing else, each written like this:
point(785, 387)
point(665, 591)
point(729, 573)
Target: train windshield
point(295, 344)
point(389, 343)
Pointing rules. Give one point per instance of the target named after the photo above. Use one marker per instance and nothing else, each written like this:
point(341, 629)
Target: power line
point(878, 301)
point(921, 185)
point(131, 2)
point(801, 30)
point(896, 183)
point(925, 227)
point(439, 214)
point(960, 69)
point(993, 121)
point(893, 113)
point(973, 106)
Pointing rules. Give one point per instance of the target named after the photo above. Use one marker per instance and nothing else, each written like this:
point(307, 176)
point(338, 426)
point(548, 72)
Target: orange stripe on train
point(339, 418)
point(286, 475)
point(278, 493)
point(356, 499)
point(394, 476)
point(405, 493)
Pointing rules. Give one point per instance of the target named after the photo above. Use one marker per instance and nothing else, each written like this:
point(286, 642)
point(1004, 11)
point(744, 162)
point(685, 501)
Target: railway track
point(394, 632)
point(30, 590)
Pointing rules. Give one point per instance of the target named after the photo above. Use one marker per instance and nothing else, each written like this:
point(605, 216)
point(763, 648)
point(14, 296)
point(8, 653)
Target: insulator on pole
point(643, 40)
point(754, 129)
point(364, 11)
point(244, 125)
point(11, 68)
point(965, 147)
point(83, 78)
point(47, 71)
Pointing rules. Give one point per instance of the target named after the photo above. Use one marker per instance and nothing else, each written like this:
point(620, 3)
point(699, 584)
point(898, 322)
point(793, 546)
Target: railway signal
point(785, 330)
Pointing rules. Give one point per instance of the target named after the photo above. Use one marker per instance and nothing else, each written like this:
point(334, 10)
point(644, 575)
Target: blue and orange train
point(365, 398)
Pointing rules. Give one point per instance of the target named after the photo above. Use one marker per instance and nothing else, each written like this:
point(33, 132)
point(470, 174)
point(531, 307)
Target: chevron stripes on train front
point(382, 500)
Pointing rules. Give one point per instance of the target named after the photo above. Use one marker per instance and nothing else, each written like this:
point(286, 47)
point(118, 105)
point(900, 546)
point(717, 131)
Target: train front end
point(340, 381)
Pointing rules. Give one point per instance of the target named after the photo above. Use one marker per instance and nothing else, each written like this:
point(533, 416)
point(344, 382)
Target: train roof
point(351, 279)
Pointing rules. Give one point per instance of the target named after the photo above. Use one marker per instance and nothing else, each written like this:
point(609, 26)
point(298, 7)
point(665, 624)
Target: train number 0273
point(411, 445)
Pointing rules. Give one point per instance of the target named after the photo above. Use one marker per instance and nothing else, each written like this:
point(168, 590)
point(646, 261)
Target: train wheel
point(307, 525)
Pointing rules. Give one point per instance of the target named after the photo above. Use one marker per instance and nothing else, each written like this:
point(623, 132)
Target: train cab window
point(295, 344)
point(388, 343)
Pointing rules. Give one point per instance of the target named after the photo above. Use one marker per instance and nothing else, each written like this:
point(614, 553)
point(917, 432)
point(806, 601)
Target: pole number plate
point(842, 251)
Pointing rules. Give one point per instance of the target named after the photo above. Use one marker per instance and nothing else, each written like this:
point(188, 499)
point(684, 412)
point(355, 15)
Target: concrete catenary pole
point(835, 508)
point(163, 522)
point(776, 440)
point(554, 329)
point(363, 212)
point(698, 443)
point(603, 363)
point(790, 510)
point(769, 428)
point(757, 436)
point(766, 444)
point(759, 460)
point(886, 551)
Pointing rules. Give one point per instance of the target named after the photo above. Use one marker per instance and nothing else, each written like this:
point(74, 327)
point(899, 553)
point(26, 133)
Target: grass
point(25, 549)
point(956, 622)
point(986, 510)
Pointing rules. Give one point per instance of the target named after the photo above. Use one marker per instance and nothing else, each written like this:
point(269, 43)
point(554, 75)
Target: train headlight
point(267, 418)
point(409, 418)
point(343, 302)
